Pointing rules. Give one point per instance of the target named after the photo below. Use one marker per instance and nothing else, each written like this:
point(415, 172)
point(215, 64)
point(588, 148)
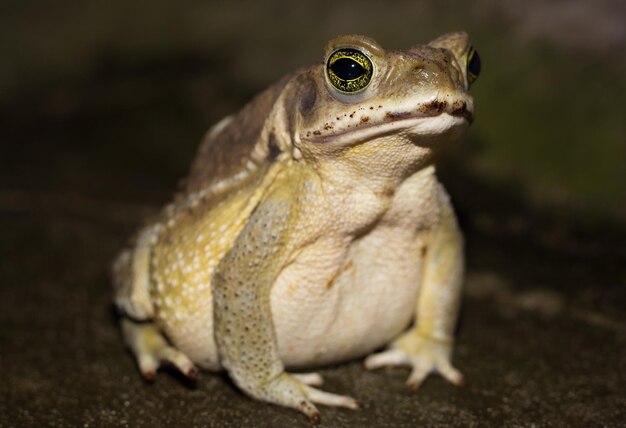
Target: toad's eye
point(473, 65)
point(349, 70)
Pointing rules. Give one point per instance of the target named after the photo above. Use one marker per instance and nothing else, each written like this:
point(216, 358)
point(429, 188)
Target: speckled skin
point(311, 230)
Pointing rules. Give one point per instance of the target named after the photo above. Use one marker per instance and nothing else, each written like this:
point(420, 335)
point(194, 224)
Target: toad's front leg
point(244, 331)
point(427, 347)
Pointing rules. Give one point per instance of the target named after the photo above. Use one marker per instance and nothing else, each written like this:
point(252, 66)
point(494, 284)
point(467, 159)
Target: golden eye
point(473, 65)
point(349, 70)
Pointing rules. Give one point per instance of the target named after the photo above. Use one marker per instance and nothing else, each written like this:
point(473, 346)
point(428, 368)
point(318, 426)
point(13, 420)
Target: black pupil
point(347, 69)
point(474, 64)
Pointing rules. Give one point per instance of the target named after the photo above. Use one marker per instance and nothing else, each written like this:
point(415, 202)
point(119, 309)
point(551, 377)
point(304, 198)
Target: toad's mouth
point(429, 120)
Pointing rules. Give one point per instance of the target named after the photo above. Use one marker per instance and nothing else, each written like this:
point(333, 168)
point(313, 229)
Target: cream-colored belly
point(333, 306)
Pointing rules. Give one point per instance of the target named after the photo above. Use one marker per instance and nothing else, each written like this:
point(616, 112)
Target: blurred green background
point(551, 99)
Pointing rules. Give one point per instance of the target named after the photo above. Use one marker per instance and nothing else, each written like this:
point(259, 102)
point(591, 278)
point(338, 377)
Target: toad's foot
point(290, 391)
point(424, 355)
point(152, 350)
point(310, 379)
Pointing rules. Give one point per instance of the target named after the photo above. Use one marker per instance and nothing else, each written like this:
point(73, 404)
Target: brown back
point(223, 155)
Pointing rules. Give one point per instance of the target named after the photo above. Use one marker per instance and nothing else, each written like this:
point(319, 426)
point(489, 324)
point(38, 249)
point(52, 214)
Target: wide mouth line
point(395, 121)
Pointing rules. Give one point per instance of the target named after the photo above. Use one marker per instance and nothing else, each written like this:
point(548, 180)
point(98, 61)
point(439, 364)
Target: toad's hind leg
point(152, 350)
point(132, 298)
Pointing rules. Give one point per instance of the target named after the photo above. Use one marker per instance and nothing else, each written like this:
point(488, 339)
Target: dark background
point(102, 106)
